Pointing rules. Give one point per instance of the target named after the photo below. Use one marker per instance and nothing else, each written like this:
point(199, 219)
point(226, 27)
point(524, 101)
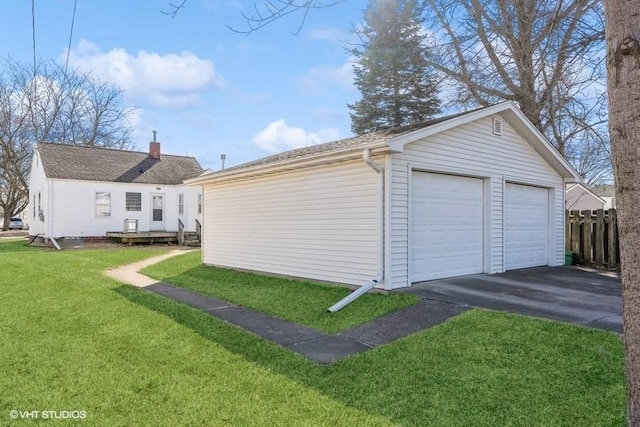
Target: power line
point(33, 33)
point(73, 20)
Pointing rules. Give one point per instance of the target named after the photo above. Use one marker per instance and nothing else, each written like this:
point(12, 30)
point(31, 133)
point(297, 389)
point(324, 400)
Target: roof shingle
point(63, 161)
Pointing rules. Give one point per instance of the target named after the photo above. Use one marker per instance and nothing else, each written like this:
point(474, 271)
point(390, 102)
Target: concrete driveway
point(570, 294)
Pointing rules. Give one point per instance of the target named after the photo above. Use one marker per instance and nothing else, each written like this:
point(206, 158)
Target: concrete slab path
point(309, 342)
point(568, 294)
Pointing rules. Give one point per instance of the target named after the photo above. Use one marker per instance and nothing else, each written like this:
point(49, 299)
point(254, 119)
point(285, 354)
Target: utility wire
point(73, 20)
point(33, 33)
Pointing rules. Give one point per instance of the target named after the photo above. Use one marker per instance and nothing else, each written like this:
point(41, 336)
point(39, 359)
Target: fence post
point(587, 244)
point(575, 234)
point(613, 239)
point(599, 249)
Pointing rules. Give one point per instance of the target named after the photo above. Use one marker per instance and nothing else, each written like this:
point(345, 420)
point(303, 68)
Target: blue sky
point(204, 88)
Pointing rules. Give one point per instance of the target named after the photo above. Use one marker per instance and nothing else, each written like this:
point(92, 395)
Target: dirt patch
point(71, 244)
point(13, 234)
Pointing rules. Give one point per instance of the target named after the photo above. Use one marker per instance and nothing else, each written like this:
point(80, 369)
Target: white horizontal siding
point(496, 221)
point(70, 207)
point(320, 223)
point(472, 150)
point(556, 195)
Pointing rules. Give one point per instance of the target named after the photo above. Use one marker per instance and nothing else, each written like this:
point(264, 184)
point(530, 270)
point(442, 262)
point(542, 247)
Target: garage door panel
point(446, 226)
point(526, 226)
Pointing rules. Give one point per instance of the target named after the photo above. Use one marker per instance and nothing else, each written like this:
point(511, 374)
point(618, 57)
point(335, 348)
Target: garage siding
point(471, 150)
point(322, 223)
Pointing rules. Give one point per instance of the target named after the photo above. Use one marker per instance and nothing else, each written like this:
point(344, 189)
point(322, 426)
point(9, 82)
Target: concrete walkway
point(561, 293)
point(311, 343)
point(129, 273)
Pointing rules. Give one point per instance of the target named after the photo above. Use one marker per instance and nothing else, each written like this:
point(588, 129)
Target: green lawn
point(301, 302)
point(72, 339)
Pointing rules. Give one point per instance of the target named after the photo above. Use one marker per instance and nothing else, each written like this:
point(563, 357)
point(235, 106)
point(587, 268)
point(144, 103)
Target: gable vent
point(497, 126)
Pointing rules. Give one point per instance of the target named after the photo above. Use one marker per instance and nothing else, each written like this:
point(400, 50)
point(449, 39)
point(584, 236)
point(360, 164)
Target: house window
point(103, 204)
point(180, 204)
point(199, 203)
point(34, 206)
point(39, 206)
point(133, 202)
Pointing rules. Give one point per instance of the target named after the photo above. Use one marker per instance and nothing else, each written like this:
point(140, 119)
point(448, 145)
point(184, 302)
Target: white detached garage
point(479, 192)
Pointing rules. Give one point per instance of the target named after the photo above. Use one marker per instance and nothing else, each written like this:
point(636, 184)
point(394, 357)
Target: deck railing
point(180, 232)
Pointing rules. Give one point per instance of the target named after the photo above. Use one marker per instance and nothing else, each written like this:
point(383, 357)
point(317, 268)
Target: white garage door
point(446, 226)
point(526, 226)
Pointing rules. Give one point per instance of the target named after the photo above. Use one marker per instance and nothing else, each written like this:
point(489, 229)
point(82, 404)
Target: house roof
point(63, 161)
point(393, 140)
point(605, 190)
point(584, 190)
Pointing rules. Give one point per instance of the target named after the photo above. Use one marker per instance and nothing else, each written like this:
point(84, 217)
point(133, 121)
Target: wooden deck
point(149, 237)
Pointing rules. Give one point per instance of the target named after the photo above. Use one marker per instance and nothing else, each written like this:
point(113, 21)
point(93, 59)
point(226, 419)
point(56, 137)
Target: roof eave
point(587, 190)
point(379, 147)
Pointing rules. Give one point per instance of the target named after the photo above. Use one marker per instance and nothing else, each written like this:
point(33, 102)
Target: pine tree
point(392, 71)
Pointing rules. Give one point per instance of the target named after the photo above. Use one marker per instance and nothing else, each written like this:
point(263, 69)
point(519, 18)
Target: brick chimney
point(154, 150)
point(154, 147)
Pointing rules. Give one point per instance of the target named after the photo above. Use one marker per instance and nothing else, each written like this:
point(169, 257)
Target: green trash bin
point(568, 258)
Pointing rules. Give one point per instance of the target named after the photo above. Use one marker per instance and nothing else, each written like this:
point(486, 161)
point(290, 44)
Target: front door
point(157, 212)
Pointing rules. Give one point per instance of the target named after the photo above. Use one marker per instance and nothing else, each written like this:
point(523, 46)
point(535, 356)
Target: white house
point(479, 192)
point(606, 192)
point(77, 191)
point(580, 198)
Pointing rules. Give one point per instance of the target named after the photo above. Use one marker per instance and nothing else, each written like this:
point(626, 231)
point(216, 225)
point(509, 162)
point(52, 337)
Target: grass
point(73, 339)
point(298, 301)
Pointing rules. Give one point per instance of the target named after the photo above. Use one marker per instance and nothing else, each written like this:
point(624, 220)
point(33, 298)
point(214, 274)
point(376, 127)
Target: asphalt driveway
point(569, 294)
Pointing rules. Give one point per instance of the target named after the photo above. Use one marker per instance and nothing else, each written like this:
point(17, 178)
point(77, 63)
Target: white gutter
point(278, 167)
point(379, 169)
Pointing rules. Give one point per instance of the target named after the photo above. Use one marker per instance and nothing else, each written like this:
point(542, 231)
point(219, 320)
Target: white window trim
point(105, 194)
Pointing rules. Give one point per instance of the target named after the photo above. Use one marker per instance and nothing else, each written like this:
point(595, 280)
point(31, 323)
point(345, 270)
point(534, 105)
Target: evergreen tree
point(392, 70)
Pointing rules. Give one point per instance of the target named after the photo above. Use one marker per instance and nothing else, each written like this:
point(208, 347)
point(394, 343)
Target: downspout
point(366, 156)
point(379, 169)
point(49, 217)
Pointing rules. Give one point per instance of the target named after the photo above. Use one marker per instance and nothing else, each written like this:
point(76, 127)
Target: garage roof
point(393, 140)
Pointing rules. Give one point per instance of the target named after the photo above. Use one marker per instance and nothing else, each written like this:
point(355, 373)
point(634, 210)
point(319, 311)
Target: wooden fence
point(593, 238)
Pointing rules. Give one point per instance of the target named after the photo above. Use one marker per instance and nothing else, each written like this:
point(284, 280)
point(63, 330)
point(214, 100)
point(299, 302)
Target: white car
point(16, 224)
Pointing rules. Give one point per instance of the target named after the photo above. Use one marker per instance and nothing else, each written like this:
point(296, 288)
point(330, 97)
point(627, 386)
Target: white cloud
point(320, 80)
point(170, 80)
point(278, 136)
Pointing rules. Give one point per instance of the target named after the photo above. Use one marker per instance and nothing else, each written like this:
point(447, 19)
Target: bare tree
point(543, 54)
point(267, 12)
point(51, 105)
point(623, 57)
